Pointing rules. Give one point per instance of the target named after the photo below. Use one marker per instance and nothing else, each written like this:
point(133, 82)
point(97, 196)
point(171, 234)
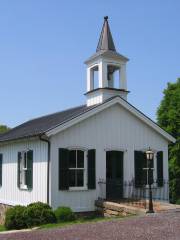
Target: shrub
point(39, 213)
point(64, 214)
point(40, 205)
point(15, 218)
point(34, 214)
point(178, 201)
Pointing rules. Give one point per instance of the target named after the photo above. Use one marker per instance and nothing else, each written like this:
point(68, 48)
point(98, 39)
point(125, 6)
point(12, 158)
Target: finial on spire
point(106, 41)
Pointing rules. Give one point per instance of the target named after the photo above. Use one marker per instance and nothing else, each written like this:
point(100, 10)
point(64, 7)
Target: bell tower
point(106, 70)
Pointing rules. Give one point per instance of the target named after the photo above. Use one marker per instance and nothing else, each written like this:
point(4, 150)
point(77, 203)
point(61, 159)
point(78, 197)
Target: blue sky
point(43, 44)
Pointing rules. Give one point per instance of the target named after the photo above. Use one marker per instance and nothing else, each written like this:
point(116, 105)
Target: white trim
point(85, 149)
point(105, 105)
point(12, 203)
point(71, 189)
point(115, 149)
point(24, 187)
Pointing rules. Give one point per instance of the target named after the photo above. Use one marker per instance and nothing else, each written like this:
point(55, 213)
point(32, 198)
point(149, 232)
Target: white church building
point(69, 157)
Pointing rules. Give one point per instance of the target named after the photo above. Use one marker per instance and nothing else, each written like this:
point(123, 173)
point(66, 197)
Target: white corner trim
point(105, 105)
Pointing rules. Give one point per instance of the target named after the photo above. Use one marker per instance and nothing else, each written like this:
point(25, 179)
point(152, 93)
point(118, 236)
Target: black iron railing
point(133, 192)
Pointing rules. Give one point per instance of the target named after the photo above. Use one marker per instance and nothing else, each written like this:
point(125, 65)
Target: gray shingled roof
point(41, 125)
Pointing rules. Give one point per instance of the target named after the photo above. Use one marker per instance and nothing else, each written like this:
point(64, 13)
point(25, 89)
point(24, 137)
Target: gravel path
point(153, 227)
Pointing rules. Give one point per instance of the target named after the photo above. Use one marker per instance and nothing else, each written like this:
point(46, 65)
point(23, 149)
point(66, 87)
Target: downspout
point(48, 164)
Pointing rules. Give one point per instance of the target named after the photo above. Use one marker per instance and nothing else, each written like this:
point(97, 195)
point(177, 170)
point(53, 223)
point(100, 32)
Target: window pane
point(25, 160)
point(80, 178)
point(72, 159)
point(72, 178)
point(25, 177)
point(80, 159)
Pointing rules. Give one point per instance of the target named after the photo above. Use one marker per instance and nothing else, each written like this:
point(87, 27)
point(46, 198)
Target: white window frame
point(23, 169)
point(84, 187)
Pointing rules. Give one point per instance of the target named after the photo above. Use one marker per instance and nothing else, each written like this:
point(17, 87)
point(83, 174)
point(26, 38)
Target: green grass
point(2, 228)
point(80, 221)
point(62, 224)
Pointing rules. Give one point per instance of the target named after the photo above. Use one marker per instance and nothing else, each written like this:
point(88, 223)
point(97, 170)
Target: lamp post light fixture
point(150, 157)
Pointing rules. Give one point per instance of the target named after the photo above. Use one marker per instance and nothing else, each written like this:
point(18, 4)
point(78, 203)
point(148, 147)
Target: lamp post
point(150, 156)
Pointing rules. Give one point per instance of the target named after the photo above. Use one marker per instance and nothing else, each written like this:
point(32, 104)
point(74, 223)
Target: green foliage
point(64, 214)
point(40, 205)
point(39, 213)
point(15, 218)
point(178, 201)
point(34, 214)
point(168, 116)
point(3, 129)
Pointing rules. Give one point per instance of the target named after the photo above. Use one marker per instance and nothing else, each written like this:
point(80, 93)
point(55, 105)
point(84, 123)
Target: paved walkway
point(162, 226)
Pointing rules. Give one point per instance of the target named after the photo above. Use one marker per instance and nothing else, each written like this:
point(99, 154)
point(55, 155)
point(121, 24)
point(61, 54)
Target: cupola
point(106, 70)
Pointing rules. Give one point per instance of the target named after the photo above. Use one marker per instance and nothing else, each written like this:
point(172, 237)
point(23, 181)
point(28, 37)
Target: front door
point(114, 175)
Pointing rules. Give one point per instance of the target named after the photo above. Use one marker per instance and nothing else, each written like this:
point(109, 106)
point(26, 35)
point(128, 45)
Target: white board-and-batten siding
point(9, 192)
point(114, 128)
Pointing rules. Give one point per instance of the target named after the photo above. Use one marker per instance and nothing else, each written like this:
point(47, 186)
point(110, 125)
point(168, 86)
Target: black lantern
point(150, 157)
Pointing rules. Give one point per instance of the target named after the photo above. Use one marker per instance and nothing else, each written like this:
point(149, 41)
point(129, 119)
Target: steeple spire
point(105, 40)
point(106, 70)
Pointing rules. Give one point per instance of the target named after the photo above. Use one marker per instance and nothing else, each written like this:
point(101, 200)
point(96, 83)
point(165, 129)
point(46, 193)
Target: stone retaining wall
point(3, 209)
point(109, 209)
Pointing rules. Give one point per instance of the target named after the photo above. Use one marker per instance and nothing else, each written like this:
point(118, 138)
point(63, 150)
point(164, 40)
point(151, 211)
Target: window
point(77, 168)
point(141, 169)
point(25, 169)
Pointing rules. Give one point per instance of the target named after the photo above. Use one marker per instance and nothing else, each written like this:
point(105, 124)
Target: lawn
point(62, 224)
point(2, 228)
point(82, 221)
point(79, 220)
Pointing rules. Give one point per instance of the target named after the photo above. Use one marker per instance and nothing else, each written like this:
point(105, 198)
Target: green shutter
point(18, 169)
point(160, 168)
point(1, 159)
point(140, 163)
point(29, 171)
point(92, 169)
point(63, 169)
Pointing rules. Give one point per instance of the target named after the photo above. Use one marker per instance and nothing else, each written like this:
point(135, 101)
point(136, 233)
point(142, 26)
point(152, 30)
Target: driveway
point(160, 226)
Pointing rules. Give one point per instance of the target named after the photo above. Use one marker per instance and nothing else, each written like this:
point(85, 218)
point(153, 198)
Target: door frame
point(119, 181)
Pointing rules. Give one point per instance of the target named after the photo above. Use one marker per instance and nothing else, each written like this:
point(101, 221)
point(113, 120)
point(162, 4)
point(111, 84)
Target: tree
point(3, 129)
point(168, 116)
